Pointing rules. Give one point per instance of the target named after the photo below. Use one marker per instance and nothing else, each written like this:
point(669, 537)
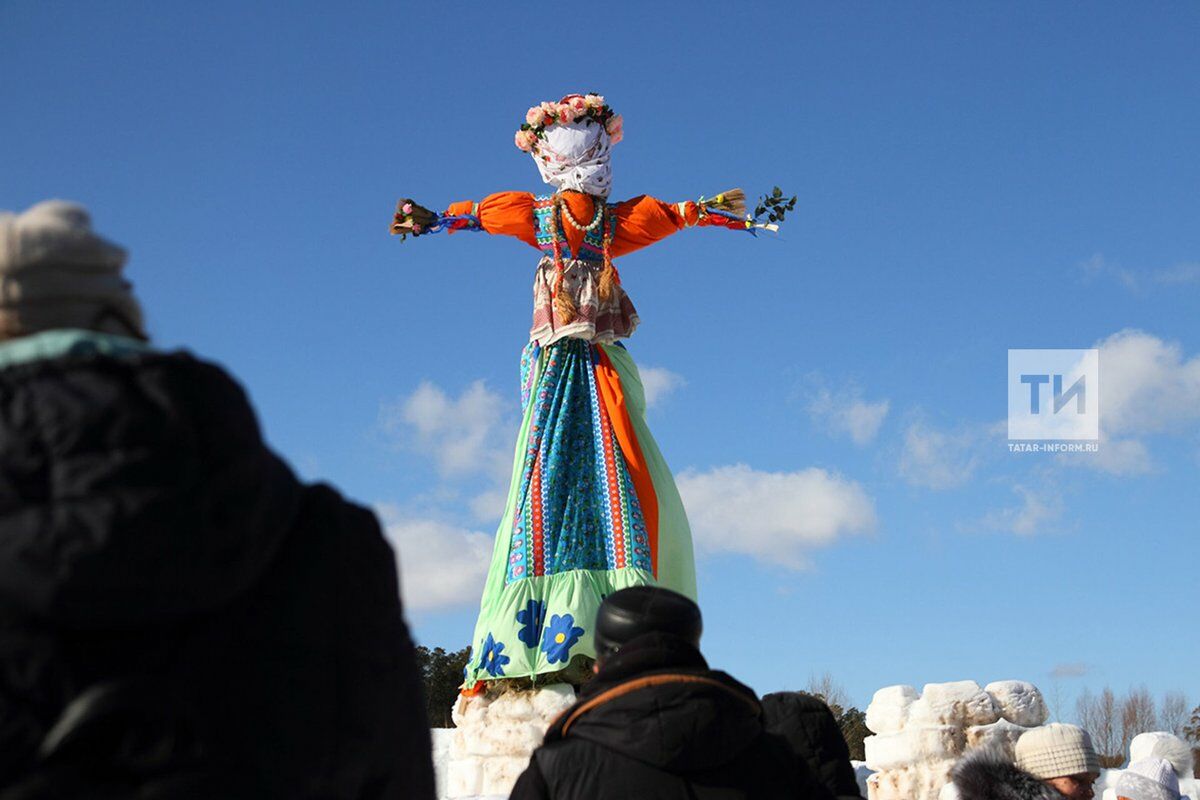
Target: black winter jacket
point(656, 723)
point(813, 733)
point(209, 620)
point(988, 775)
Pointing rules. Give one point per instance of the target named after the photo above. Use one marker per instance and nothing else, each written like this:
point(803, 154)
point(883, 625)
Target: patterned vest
point(596, 320)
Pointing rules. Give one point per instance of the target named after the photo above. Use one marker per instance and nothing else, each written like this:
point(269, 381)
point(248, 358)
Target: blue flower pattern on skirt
point(532, 618)
point(560, 636)
point(491, 659)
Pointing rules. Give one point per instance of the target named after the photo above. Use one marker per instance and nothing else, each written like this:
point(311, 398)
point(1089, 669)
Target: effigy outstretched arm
point(643, 220)
point(503, 213)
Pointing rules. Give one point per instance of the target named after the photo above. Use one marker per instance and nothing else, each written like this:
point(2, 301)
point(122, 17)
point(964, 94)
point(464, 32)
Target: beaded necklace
point(576, 224)
point(609, 276)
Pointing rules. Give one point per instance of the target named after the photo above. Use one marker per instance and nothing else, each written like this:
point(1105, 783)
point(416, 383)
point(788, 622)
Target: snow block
point(960, 703)
point(889, 708)
point(505, 738)
point(948, 792)
point(500, 775)
point(862, 773)
point(873, 786)
point(512, 706)
point(550, 701)
point(1019, 702)
point(464, 778)
point(470, 710)
point(1002, 734)
point(931, 743)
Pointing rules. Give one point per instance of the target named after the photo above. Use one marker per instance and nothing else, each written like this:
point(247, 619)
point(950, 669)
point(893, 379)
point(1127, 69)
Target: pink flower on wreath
point(614, 127)
point(549, 110)
point(578, 105)
point(407, 208)
point(535, 116)
point(594, 101)
point(566, 114)
point(525, 140)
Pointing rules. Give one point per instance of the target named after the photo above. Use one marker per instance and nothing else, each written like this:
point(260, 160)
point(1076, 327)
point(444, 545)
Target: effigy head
point(570, 142)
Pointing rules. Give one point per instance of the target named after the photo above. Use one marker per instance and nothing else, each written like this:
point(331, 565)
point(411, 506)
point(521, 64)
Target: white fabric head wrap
point(575, 156)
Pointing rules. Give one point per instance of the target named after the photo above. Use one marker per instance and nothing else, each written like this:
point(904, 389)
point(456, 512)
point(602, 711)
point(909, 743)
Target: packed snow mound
point(910, 783)
point(496, 733)
point(888, 710)
point(550, 701)
point(861, 773)
point(960, 703)
point(919, 738)
point(1001, 735)
point(889, 751)
point(1019, 702)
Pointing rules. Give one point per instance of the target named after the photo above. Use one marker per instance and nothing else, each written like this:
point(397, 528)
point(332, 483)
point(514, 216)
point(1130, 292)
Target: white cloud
point(1179, 274)
point(775, 517)
point(1037, 509)
point(1116, 457)
point(1098, 266)
point(1146, 384)
point(1136, 280)
point(463, 435)
point(489, 506)
point(441, 565)
point(846, 412)
point(1074, 669)
point(938, 459)
point(658, 382)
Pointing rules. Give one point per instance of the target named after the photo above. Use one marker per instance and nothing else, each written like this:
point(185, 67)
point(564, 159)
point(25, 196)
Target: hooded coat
point(657, 723)
point(812, 731)
point(176, 606)
point(988, 775)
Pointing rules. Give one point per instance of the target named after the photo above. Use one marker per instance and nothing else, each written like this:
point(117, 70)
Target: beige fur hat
point(1056, 751)
point(56, 273)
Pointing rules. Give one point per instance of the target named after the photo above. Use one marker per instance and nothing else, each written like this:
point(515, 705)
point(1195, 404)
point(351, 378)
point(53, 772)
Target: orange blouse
point(641, 221)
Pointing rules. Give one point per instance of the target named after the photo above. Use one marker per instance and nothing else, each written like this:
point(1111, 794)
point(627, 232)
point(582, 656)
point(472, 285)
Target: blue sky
point(971, 178)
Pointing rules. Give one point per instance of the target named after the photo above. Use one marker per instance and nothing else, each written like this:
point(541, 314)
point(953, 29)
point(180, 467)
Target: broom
point(732, 201)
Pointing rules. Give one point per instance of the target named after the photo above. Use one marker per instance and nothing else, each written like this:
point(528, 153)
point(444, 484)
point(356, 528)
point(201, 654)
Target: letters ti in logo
point(1054, 395)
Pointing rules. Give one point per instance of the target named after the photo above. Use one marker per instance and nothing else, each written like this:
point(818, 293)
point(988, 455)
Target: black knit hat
point(632, 612)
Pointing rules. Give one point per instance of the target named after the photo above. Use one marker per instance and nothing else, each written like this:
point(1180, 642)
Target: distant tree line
point(851, 720)
point(442, 673)
point(1113, 721)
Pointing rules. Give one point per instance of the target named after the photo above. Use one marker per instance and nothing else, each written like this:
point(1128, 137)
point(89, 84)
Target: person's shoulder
point(987, 774)
point(794, 702)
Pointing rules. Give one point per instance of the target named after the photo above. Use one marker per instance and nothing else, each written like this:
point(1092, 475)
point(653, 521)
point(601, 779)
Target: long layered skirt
point(591, 508)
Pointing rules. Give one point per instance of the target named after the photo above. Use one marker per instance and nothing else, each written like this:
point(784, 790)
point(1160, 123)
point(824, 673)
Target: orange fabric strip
point(613, 397)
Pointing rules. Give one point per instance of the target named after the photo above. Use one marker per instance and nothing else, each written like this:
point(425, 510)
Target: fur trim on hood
point(989, 775)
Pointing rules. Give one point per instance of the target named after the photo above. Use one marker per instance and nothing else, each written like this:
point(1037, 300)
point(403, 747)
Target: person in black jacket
point(656, 722)
point(180, 617)
point(812, 731)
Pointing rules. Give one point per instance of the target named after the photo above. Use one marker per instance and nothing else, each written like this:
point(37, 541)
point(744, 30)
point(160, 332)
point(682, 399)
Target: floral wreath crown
point(572, 108)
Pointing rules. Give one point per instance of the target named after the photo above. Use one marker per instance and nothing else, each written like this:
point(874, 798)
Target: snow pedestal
point(495, 735)
point(919, 737)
